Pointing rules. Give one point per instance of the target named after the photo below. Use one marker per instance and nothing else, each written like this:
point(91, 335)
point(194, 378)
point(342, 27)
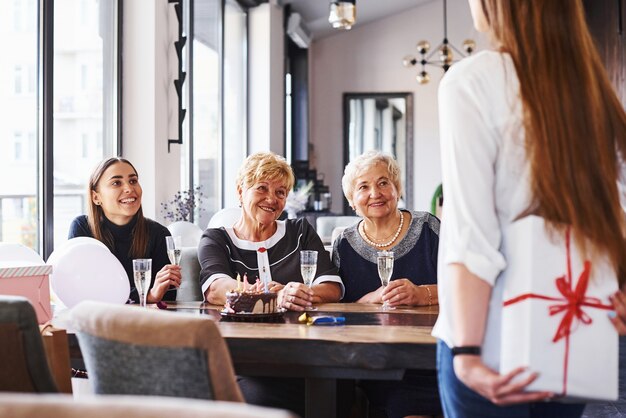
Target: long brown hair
point(95, 215)
point(574, 123)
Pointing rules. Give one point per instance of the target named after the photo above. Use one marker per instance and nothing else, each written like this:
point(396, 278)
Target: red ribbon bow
point(571, 303)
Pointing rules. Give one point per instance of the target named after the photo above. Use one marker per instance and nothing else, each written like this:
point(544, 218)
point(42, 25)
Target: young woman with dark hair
point(116, 219)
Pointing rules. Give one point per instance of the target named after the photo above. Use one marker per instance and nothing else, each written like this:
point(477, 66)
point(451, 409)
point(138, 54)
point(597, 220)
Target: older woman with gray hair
point(371, 183)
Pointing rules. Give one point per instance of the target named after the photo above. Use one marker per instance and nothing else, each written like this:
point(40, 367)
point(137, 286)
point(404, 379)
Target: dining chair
point(324, 225)
point(224, 217)
point(129, 350)
point(189, 290)
point(116, 406)
point(22, 356)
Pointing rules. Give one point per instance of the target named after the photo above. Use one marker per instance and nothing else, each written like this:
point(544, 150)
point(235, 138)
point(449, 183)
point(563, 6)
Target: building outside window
point(78, 107)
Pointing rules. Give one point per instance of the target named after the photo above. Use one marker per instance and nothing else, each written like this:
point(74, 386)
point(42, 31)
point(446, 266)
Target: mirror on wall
point(382, 121)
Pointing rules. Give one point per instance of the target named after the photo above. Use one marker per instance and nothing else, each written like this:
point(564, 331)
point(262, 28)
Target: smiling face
point(118, 193)
point(263, 201)
point(375, 195)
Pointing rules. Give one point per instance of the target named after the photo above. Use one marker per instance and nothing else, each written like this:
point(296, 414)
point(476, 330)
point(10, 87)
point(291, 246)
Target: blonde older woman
point(259, 245)
point(371, 184)
point(258, 237)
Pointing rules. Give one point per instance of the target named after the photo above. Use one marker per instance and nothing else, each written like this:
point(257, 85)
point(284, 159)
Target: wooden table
point(371, 345)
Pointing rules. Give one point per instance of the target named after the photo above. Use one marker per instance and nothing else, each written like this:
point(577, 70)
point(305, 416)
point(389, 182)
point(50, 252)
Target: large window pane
point(18, 130)
point(235, 35)
point(207, 151)
point(84, 101)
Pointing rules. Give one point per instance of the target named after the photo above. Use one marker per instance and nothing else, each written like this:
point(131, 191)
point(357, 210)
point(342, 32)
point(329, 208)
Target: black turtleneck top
point(122, 240)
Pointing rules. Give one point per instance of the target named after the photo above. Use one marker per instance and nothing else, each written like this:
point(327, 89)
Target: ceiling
point(315, 12)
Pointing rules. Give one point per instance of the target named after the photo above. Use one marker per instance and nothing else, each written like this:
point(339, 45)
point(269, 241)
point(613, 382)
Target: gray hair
point(364, 162)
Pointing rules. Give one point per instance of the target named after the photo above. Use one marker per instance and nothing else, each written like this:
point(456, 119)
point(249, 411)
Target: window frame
point(45, 117)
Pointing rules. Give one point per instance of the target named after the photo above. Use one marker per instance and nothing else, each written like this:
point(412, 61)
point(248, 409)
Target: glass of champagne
point(385, 268)
point(174, 250)
point(142, 269)
point(308, 266)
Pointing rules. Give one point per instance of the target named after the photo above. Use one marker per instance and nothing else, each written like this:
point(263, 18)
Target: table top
point(365, 323)
point(372, 343)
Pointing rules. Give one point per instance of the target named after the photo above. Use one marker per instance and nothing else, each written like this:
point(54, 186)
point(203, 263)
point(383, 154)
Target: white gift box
point(551, 322)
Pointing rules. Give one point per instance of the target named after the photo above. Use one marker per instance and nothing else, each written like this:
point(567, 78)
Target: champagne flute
point(174, 249)
point(385, 268)
point(142, 269)
point(308, 267)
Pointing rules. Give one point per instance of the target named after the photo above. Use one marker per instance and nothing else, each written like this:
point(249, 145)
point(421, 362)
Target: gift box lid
point(10, 269)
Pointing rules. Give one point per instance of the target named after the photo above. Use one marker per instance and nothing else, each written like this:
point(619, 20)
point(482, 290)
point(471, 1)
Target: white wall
point(150, 103)
point(369, 59)
point(266, 110)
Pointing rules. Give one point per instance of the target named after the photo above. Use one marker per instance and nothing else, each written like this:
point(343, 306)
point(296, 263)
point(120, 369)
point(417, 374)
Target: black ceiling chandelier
point(444, 51)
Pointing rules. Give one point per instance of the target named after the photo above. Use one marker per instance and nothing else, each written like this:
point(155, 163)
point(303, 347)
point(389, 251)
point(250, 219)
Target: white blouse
point(486, 179)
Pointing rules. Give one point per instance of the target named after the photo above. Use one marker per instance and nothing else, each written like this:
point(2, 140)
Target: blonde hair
point(575, 125)
point(265, 166)
point(364, 162)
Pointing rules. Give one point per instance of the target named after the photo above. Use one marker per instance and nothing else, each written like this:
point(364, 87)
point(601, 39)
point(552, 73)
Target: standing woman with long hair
point(115, 218)
point(530, 127)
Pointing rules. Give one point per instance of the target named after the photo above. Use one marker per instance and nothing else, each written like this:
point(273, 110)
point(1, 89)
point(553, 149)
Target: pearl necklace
point(384, 244)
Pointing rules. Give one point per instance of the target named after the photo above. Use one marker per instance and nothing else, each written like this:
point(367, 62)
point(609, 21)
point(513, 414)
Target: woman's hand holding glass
point(170, 275)
point(295, 296)
point(404, 292)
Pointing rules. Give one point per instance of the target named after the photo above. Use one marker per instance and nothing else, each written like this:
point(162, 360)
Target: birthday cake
point(250, 302)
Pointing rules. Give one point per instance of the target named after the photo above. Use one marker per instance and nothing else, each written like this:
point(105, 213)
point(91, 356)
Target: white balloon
point(61, 249)
point(85, 240)
point(18, 255)
point(84, 271)
point(190, 233)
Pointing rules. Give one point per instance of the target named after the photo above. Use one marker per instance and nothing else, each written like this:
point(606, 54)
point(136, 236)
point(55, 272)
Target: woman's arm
point(168, 276)
point(405, 292)
point(216, 293)
point(470, 301)
point(327, 292)
point(216, 273)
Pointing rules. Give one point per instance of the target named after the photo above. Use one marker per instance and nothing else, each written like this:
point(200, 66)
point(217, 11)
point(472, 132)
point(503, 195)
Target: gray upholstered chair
point(22, 358)
point(130, 350)
point(189, 290)
point(63, 406)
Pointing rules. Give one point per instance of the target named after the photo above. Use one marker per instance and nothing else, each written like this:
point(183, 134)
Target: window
point(85, 145)
point(32, 146)
point(83, 77)
point(235, 75)
point(17, 146)
point(92, 106)
point(18, 196)
point(18, 80)
point(218, 82)
point(79, 106)
point(205, 114)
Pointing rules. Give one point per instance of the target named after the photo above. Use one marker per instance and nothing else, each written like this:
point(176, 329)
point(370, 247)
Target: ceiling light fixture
point(445, 49)
point(342, 14)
